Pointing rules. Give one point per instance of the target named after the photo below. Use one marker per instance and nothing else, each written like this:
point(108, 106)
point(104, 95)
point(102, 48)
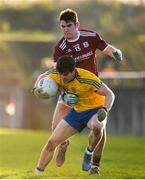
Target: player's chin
point(65, 80)
point(68, 36)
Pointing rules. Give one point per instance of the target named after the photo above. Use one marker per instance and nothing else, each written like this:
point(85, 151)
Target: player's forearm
point(109, 100)
point(109, 51)
point(109, 96)
point(113, 52)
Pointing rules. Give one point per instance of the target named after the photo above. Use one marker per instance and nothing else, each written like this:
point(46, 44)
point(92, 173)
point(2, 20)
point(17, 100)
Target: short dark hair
point(68, 15)
point(65, 64)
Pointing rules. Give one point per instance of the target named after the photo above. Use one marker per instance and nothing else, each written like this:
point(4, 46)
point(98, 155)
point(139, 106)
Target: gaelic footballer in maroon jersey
point(83, 49)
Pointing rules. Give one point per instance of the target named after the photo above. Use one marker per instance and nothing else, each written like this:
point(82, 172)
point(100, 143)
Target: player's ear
point(77, 24)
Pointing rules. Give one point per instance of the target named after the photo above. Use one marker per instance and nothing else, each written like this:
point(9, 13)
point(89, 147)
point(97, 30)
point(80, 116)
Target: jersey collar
point(78, 36)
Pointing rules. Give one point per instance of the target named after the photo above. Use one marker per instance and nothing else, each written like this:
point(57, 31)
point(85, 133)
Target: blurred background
point(28, 33)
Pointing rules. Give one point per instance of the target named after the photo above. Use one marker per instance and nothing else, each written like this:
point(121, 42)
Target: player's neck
point(75, 36)
point(73, 76)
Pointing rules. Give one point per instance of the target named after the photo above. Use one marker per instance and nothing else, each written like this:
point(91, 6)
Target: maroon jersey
point(82, 49)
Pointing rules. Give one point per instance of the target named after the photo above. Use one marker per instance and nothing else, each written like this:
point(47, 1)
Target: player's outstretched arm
point(113, 52)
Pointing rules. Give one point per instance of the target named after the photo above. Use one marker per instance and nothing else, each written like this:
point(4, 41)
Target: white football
point(46, 88)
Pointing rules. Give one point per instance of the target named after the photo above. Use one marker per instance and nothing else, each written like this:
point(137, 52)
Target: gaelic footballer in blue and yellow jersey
point(85, 86)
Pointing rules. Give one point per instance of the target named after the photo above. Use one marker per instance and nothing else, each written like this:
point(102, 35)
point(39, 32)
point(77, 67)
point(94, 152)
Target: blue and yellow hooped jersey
point(85, 85)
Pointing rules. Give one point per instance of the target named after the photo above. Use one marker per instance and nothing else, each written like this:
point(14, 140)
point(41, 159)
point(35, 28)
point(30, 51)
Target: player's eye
point(63, 26)
point(68, 25)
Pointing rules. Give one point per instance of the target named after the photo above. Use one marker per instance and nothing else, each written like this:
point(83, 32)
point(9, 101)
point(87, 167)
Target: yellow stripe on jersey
point(85, 85)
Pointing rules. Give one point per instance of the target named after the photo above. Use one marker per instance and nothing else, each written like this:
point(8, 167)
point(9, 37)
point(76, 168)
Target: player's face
point(67, 77)
point(69, 29)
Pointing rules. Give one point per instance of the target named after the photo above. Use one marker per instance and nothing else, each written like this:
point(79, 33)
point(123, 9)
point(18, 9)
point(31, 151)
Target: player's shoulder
point(61, 43)
point(86, 32)
point(52, 71)
point(83, 73)
point(87, 77)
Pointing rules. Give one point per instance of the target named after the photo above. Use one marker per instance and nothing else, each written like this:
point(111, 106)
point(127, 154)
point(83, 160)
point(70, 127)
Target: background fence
point(20, 109)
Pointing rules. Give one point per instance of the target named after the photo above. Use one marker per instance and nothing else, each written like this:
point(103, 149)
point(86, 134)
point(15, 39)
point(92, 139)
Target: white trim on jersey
point(78, 36)
point(106, 47)
point(83, 33)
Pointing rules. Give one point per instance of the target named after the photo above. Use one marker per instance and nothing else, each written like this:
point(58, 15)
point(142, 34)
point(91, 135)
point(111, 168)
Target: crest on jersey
point(85, 44)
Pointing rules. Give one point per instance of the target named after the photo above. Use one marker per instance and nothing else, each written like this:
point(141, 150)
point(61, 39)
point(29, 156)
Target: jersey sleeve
point(54, 75)
point(91, 80)
point(59, 50)
point(57, 53)
point(100, 43)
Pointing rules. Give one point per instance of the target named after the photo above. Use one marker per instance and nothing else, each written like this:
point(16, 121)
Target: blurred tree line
point(119, 24)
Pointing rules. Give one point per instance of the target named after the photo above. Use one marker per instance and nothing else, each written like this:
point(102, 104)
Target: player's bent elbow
point(112, 95)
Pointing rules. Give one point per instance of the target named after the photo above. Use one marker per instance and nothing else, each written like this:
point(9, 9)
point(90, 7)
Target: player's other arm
point(109, 96)
point(113, 52)
point(103, 90)
point(106, 48)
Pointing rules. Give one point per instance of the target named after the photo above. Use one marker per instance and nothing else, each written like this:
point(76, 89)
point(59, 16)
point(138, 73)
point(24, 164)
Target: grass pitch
point(124, 157)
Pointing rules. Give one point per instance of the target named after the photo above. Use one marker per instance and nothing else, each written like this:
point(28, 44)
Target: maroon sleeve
point(57, 53)
point(100, 43)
